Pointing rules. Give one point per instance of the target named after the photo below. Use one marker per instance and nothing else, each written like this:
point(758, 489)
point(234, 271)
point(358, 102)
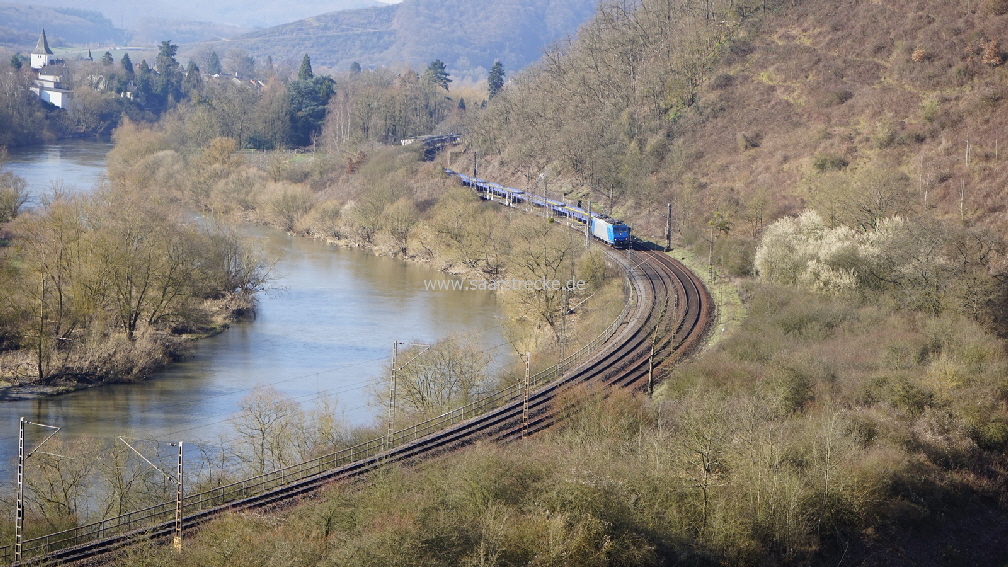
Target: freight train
point(608, 230)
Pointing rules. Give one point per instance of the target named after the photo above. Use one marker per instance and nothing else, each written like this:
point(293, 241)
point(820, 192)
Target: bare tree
point(58, 480)
point(400, 218)
point(232, 102)
point(266, 426)
point(434, 379)
point(145, 258)
point(545, 254)
point(13, 192)
point(125, 480)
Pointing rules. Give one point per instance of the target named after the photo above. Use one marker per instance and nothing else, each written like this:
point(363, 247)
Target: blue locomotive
point(606, 229)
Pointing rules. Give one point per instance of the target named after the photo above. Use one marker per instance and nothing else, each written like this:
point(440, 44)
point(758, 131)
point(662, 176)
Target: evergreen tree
point(165, 61)
point(193, 80)
point(355, 68)
point(308, 100)
point(143, 93)
point(305, 72)
point(127, 65)
point(213, 64)
point(461, 104)
point(107, 59)
point(439, 73)
point(168, 81)
point(495, 81)
point(15, 62)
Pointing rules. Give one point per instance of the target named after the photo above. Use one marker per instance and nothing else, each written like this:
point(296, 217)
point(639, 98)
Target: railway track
point(669, 314)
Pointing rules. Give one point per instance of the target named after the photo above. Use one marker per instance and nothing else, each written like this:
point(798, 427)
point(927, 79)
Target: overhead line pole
point(650, 372)
point(393, 385)
point(19, 516)
point(392, 394)
point(668, 229)
point(525, 403)
point(179, 493)
point(177, 540)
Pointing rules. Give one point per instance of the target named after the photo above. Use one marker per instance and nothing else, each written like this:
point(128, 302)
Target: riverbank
point(116, 359)
point(387, 200)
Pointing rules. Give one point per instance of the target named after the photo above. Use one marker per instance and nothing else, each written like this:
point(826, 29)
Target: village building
point(42, 55)
point(47, 84)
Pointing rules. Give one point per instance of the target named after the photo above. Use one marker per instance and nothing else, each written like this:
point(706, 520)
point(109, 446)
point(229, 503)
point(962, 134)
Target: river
point(328, 328)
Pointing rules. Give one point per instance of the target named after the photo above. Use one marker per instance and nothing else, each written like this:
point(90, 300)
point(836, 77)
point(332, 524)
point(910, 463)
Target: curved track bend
point(669, 314)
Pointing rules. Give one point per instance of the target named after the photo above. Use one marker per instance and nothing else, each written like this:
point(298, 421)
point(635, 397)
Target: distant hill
point(330, 39)
point(468, 35)
point(20, 26)
point(244, 13)
point(151, 31)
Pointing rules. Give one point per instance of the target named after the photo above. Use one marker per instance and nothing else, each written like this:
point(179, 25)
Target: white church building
point(47, 85)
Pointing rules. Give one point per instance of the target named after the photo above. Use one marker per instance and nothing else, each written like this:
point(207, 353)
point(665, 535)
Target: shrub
point(13, 196)
point(804, 252)
point(747, 141)
point(990, 432)
point(929, 109)
point(910, 397)
point(722, 81)
point(863, 428)
point(287, 203)
point(828, 162)
point(836, 98)
point(592, 269)
point(324, 219)
point(992, 53)
point(910, 138)
point(238, 191)
point(793, 387)
point(735, 255)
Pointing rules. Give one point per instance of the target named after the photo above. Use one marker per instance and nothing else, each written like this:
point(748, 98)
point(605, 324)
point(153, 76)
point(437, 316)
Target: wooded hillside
point(468, 35)
point(727, 107)
point(20, 26)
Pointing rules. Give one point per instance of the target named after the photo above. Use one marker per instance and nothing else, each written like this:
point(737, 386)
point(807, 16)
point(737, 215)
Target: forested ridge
point(727, 108)
point(21, 25)
point(468, 35)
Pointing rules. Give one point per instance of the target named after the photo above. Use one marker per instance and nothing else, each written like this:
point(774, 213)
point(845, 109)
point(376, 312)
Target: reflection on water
point(78, 164)
point(329, 329)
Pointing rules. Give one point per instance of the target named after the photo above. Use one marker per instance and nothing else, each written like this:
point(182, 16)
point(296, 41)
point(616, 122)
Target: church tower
point(41, 55)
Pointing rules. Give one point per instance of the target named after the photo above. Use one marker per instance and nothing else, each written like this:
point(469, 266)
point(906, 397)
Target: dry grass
point(874, 66)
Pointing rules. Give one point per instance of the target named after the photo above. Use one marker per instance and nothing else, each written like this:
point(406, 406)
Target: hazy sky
point(237, 12)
